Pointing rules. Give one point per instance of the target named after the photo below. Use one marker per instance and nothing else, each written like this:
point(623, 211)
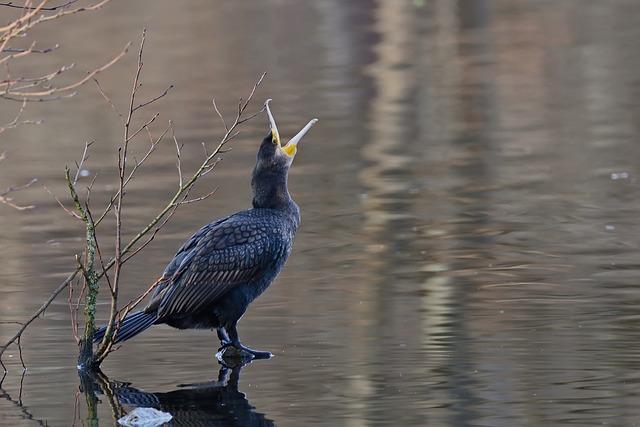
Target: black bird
point(229, 262)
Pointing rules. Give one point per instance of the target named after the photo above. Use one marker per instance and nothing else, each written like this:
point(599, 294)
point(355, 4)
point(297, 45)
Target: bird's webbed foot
point(256, 353)
point(234, 349)
point(234, 341)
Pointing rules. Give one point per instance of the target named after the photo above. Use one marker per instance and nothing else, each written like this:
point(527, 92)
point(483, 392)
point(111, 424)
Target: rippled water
point(468, 251)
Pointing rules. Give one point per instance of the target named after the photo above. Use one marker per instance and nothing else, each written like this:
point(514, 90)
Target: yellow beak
point(290, 148)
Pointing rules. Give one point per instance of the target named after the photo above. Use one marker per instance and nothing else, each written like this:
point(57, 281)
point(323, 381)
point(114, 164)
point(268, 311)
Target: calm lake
point(469, 248)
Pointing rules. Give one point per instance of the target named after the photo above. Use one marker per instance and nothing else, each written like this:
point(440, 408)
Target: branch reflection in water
point(214, 403)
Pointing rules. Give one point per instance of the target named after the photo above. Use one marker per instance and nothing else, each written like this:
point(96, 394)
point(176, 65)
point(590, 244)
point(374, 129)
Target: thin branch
point(178, 154)
point(107, 341)
point(43, 99)
point(156, 230)
point(67, 210)
point(151, 101)
point(199, 199)
point(38, 312)
point(41, 95)
point(18, 50)
point(85, 156)
point(27, 21)
point(9, 202)
point(35, 81)
point(141, 128)
point(135, 301)
point(215, 107)
point(73, 314)
point(151, 149)
point(17, 122)
point(24, 7)
point(104, 95)
point(18, 188)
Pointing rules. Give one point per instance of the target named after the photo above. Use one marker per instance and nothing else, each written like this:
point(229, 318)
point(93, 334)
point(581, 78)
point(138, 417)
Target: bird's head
point(272, 151)
point(270, 174)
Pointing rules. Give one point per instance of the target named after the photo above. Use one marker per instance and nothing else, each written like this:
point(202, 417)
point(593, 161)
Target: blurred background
point(468, 253)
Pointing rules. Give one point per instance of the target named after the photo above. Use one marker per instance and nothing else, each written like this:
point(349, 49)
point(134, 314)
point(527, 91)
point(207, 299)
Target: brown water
point(469, 246)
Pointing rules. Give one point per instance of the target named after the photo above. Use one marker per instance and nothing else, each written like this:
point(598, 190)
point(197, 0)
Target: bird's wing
point(183, 255)
point(188, 246)
point(233, 252)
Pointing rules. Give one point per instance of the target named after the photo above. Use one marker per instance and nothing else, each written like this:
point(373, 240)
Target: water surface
point(468, 250)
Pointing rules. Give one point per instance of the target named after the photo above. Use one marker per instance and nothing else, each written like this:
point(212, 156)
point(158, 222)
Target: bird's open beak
point(291, 147)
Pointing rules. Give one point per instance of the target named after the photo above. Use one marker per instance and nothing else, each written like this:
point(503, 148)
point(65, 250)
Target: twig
point(107, 342)
point(199, 199)
point(38, 312)
point(151, 101)
point(73, 313)
point(16, 121)
point(178, 154)
point(215, 107)
point(106, 98)
point(10, 4)
point(141, 128)
point(41, 95)
point(133, 303)
point(18, 50)
point(67, 210)
point(85, 156)
point(9, 202)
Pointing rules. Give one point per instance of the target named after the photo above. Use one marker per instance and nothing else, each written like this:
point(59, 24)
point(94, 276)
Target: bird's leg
point(235, 341)
point(223, 336)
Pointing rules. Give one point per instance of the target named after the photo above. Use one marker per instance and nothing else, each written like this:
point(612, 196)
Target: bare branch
point(38, 312)
point(85, 156)
point(215, 107)
point(18, 50)
point(135, 301)
point(107, 341)
point(151, 101)
point(43, 95)
point(178, 155)
point(24, 7)
point(16, 121)
point(104, 95)
point(35, 81)
point(151, 149)
point(67, 210)
point(9, 201)
point(141, 128)
point(199, 199)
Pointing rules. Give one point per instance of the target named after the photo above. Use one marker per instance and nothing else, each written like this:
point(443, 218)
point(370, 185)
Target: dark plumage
point(226, 264)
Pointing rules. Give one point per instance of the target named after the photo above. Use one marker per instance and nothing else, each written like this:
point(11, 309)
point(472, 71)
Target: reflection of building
point(461, 162)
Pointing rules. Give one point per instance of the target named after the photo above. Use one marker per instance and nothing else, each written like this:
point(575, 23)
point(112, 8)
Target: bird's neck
point(270, 190)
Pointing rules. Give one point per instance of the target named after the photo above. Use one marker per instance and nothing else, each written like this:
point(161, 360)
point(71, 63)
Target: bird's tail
point(131, 326)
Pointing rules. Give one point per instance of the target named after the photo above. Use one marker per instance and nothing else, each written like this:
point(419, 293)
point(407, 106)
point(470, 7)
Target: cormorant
point(229, 262)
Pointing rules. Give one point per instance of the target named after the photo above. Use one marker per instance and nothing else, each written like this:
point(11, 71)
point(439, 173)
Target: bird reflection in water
point(214, 403)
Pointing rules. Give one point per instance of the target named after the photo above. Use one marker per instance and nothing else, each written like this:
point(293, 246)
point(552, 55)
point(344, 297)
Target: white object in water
point(145, 417)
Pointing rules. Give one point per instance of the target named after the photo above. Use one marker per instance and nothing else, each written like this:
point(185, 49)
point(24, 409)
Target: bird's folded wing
point(188, 246)
point(228, 255)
